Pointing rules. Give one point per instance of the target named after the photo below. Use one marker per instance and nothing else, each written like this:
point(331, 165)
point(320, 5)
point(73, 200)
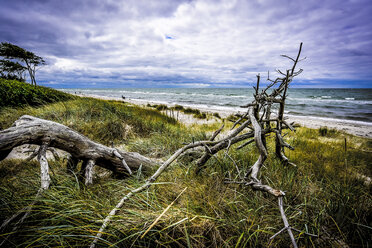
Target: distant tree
point(12, 70)
point(12, 52)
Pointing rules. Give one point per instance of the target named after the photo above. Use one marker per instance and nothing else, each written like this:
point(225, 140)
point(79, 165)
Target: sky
point(201, 43)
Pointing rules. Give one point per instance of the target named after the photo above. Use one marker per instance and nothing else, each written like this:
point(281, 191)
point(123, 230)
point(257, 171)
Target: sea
point(351, 105)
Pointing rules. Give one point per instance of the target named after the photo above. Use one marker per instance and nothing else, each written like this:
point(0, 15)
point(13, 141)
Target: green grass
point(17, 94)
point(195, 112)
point(324, 195)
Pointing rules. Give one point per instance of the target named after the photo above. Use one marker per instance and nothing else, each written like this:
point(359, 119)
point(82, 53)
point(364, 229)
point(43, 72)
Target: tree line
point(16, 61)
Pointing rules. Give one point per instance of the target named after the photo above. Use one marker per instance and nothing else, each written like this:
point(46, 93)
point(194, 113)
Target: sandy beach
point(359, 128)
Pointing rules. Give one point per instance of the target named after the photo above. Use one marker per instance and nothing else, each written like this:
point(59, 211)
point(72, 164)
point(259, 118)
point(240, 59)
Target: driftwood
point(48, 134)
point(259, 123)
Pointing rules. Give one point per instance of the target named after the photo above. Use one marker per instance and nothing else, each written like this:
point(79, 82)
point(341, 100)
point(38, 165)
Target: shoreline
point(358, 128)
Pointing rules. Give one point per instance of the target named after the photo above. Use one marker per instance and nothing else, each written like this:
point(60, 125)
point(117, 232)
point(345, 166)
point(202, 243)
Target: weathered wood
point(262, 104)
point(54, 152)
point(285, 221)
point(222, 144)
point(267, 115)
point(281, 140)
point(287, 226)
point(44, 167)
point(89, 172)
point(31, 130)
point(117, 154)
point(257, 133)
point(217, 132)
point(33, 154)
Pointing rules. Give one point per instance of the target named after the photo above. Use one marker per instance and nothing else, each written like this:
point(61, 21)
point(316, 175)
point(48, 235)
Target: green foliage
point(178, 107)
point(161, 107)
point(191, 111)
point(17, 94)
point(200, 115)
point(195, 112)
point(217, 115)
point(13, 52)
point(11, 70)
point(324, 131)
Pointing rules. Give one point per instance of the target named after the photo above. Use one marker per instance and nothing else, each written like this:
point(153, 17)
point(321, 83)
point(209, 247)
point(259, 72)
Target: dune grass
point(325, 194)
point(102, 121)
point(191, 111)
point(17, 94)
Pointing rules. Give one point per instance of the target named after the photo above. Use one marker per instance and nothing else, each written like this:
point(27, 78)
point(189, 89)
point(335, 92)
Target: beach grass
point(196, 113)
point(102, 121)
point(327, 194)
point(17, 94)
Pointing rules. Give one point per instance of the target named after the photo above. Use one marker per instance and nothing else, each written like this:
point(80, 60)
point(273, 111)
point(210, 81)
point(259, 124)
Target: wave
point(178, 94)
point(333, 119)
point(324, 100)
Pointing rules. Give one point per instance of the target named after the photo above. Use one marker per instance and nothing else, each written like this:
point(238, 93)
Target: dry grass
point(324, 194)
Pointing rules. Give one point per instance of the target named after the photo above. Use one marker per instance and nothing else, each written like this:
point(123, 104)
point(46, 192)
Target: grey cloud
point(215, 41)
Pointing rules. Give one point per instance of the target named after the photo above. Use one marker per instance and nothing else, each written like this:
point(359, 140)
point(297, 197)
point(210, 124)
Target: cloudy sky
point(201, 43)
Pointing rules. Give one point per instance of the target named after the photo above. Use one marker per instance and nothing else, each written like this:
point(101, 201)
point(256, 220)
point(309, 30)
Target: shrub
point(178, 107)
point(161, 107)
point(200, 115)
point(191, 111)
point(217, 115)
point(324, 131)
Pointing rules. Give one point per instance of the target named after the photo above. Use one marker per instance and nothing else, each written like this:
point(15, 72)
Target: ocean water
point(342, 104)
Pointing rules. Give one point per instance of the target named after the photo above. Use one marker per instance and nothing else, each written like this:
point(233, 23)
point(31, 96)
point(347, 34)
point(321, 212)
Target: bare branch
point(285, 221)
point(239, 120)
point(245, 144)
point(281, 140)
point(117, 154)
point(286, 56)
point(217, 132)
point(279, 71)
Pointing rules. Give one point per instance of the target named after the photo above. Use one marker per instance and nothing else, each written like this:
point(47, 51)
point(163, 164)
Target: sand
point(359, 128)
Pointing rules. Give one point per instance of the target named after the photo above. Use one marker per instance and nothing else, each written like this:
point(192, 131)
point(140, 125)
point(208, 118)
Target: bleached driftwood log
point(31, 130)
point(49, 135)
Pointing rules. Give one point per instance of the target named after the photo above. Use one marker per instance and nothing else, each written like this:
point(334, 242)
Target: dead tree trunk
point(31, 130)
point(257, 120)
